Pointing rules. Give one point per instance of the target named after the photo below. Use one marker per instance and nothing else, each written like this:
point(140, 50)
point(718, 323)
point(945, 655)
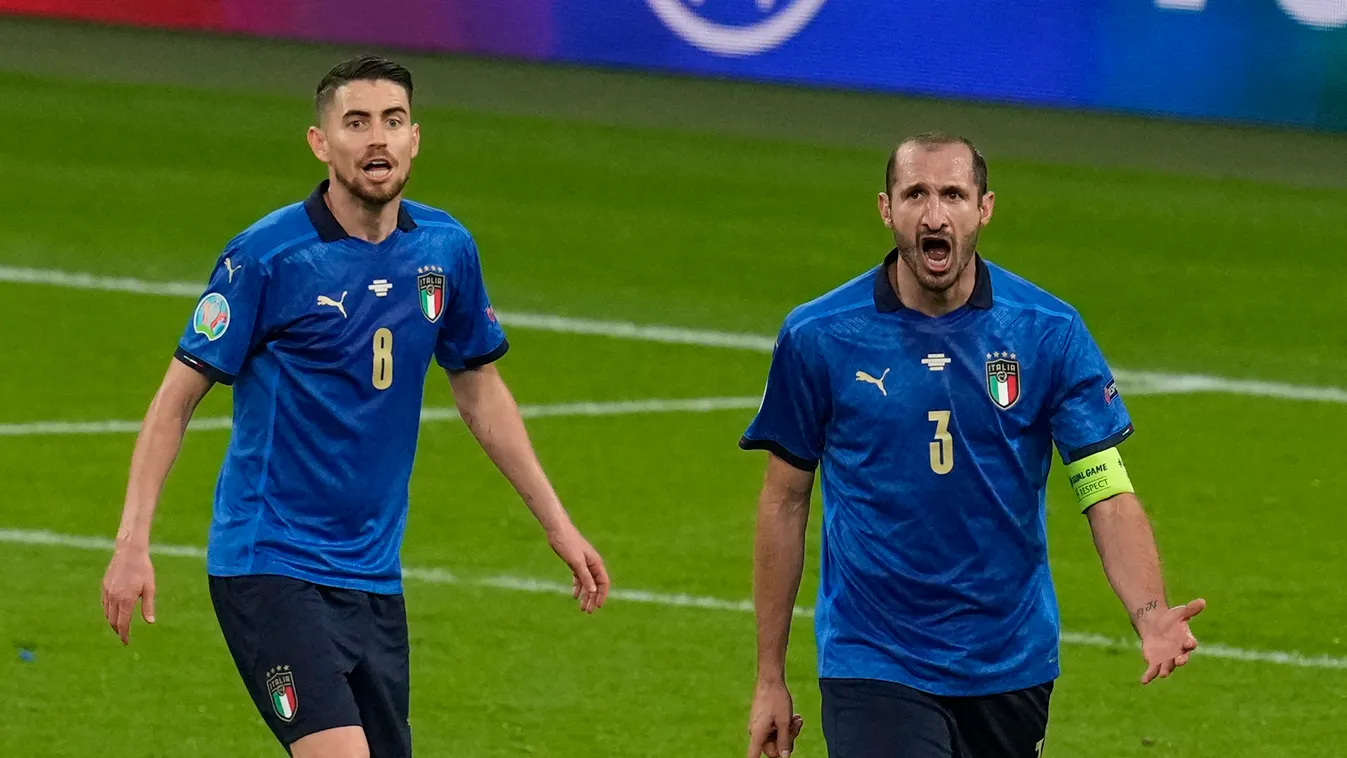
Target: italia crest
point(281, 686)
point(430, 291)
point(1003, 379)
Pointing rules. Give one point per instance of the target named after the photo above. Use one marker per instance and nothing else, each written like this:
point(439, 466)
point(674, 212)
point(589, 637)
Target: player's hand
point(1167, 642)
point(589, 579)
point(772, 724)
point(130, 577)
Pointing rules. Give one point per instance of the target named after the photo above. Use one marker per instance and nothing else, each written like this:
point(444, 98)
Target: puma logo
point(861, 376)
point(338, 304)
point(231, 269)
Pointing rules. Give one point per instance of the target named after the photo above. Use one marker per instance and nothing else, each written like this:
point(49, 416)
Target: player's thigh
point(866, 718)
point(1009, 725)
point(278, 632)
point(381, 682)
point(341, 742)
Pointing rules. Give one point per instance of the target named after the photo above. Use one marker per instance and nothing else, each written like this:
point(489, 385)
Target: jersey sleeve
point(1088, 414)
point(470, 334)
point(793, 416)
point(225, 326)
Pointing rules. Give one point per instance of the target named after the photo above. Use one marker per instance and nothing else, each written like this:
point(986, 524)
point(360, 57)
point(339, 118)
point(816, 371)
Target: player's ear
point(885, 210)
point(416, 139)
point(318, 143)
point(988, 201)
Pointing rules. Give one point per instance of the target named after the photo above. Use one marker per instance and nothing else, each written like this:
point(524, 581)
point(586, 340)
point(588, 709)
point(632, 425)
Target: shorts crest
point(281, 687)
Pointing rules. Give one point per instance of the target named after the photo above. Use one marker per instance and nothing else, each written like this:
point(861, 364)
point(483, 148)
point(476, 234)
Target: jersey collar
point(329, 229)
point(886, 297)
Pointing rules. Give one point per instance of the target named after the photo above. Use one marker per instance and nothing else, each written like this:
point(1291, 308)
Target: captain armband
point(1098, 477)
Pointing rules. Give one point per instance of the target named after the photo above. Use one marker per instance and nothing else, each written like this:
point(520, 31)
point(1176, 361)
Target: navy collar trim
point(329, 229)
point(887, 300)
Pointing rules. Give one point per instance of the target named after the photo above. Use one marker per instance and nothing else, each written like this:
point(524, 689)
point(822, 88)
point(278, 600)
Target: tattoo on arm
point(1152, 605)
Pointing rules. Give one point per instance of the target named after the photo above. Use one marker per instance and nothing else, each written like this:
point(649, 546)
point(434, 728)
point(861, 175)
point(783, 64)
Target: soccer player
point(931, 390)
point(324, 317)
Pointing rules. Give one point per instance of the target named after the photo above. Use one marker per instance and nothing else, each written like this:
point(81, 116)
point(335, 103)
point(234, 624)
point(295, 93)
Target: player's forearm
point(156, 449)
point(1126, 545)
point(492, 415)
point(778, 562)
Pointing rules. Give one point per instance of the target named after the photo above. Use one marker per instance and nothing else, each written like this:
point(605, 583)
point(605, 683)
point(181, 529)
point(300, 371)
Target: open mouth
point(938, 253)
point(378, 169)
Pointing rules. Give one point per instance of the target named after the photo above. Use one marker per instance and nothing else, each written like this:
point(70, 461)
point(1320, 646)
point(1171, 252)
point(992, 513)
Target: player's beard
point(960, 254)
point(373, 196)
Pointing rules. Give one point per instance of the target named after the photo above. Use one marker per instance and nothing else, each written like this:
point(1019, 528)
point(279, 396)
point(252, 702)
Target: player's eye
point(953, 195)
point(356, 124)
point(394, 123)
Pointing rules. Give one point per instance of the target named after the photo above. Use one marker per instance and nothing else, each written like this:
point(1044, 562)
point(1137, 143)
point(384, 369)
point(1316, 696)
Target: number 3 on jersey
point(383, 359)
point(942, 449)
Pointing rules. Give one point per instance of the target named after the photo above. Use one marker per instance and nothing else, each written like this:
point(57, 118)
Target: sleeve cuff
point(210, 372)
point(1112, 441)
point(780, 451)
point(482, 360)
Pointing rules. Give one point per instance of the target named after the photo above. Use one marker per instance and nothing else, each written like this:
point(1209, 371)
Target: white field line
point(215, 423)
point(1134, 382)
point(521, 584)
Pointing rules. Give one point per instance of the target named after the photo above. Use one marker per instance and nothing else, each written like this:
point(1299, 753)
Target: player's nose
point(934, 218)
point(934, 223)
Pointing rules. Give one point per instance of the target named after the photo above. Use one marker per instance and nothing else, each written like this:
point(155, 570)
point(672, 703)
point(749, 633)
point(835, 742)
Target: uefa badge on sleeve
point(211, 319)
point(430, 291)
point(281, 686)
point(1003, 379)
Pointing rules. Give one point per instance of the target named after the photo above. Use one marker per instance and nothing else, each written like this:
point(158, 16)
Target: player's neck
point(370, 223)
point(929, 303)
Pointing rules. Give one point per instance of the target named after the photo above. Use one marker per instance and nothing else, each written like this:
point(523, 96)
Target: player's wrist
point(771, 674)
point(1146, 618)
point(558, 526)
point(771, 683)
point(131, 540)
point(132, 546)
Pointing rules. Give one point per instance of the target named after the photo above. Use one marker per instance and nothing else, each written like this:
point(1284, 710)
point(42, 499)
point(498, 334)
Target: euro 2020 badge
point(211, 319)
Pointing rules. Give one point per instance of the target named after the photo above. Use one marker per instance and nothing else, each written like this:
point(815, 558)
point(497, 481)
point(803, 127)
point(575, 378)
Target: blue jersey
point(326, 340)
point(935, 438)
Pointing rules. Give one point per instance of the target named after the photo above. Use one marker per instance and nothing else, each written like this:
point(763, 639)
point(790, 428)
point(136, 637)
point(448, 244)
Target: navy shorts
point(865, 718)
point(316, 658)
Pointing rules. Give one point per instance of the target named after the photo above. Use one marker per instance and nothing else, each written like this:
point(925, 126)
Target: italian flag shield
point(1003, 381)
point(430, 286)
point(285, 703)
point(281, 687)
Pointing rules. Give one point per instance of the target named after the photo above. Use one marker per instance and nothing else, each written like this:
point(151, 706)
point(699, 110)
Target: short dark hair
point(369, 68)
point(938, 139)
